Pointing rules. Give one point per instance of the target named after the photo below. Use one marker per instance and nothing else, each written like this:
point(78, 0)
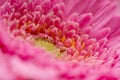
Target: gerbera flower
point(59, 40)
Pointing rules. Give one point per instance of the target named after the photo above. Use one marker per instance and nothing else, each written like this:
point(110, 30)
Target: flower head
point(59, 40)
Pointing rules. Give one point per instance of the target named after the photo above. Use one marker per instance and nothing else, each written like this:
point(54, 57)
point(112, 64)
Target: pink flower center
point(50, 26)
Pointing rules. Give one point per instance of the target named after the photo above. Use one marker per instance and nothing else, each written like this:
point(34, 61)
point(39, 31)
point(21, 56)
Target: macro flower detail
point(59, 40)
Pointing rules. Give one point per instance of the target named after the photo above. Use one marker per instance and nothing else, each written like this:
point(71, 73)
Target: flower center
point(61, 37)
point(48, 46)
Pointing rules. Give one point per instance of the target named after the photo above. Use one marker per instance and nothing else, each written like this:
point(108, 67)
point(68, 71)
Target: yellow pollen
point(73, 42)
point(63, 39)
point(28, 23)
point(48, 46)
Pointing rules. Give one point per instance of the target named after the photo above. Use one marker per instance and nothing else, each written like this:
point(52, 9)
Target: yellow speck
point(28, 23)
point(63, 39)
point(73, 42)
